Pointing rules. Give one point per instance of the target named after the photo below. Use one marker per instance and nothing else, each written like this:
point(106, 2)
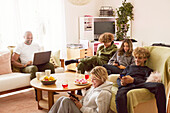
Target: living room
point(150, 24)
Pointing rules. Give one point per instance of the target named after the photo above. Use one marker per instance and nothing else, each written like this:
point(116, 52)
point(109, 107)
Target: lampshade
point(79, 2)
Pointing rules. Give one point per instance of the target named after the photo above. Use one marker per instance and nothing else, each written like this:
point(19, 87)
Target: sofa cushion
point(5, 62)
point(14, 80)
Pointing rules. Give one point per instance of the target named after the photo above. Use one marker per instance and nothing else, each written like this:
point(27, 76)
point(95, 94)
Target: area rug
point(23, 102)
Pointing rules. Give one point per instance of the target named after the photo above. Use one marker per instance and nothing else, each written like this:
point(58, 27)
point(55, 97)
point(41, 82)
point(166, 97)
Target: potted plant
point(125, 14)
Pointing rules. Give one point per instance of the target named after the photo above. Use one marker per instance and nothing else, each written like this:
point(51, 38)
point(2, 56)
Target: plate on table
point(81, 84)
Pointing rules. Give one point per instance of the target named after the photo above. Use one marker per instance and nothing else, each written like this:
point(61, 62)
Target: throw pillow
point(5, 62)
point(14, 69)
point(154, 77)
point(55, 58)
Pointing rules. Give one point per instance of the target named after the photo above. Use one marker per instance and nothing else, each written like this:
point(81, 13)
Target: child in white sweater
point(96, 100)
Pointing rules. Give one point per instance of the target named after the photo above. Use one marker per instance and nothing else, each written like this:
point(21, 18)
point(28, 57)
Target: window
point(44, 18)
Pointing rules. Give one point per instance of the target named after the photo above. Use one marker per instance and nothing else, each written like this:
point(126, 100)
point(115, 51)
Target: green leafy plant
point(125, 14)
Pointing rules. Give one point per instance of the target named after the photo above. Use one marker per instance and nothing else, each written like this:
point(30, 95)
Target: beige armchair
point(141, 100)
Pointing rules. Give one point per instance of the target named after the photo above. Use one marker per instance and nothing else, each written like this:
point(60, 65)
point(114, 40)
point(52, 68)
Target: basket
point(106, 11)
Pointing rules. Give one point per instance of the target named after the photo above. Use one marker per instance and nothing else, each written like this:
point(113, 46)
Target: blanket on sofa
point(158, 61)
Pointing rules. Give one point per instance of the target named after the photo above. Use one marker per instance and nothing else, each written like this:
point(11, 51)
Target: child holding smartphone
point(122, 58)
point(135, 77)
point(96, 99)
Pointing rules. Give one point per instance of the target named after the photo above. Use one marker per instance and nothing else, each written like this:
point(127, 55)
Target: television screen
point(101, 27)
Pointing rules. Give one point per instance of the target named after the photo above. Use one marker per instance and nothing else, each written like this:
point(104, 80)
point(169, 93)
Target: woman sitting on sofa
point(122, 58)
point(96, 100)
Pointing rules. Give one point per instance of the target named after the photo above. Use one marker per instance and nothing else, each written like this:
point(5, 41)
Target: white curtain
point(44, 18)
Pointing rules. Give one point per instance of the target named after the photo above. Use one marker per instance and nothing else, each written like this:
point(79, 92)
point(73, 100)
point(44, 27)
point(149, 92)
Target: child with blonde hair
point(96, 99)
point(135, 76)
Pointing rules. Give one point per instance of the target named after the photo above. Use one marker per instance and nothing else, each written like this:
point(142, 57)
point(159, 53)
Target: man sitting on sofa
point(25, 52)
point(135, 77)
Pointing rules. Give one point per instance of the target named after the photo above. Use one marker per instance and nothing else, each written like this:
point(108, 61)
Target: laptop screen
point(41, 57)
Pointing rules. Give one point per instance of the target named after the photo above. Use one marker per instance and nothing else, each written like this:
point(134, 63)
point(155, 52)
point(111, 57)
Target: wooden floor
point(20, 102)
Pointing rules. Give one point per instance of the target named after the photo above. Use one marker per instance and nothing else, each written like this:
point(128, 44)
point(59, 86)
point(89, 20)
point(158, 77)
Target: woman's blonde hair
point(121, 51)
point(100, 73)
point(141, 52)
point(106, 37)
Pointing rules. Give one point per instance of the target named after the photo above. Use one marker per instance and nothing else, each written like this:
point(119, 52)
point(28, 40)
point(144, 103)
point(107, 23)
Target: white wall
point(72, 14)
point(74, 11)
point(151, 19)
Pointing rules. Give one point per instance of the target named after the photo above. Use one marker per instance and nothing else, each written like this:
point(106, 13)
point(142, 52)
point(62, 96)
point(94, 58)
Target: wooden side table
point(76, 54)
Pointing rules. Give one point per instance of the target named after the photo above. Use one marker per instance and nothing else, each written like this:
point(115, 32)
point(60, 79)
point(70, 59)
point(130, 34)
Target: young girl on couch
point(122, 58)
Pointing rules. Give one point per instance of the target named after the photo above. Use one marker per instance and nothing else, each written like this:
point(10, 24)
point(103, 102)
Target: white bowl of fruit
point(81, 82)
point(48, 80)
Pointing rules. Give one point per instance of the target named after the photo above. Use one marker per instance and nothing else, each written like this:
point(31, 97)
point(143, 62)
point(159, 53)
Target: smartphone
point(73, 96)
point(122, 75)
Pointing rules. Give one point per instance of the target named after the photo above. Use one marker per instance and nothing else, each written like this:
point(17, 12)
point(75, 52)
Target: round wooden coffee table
point(57, 87)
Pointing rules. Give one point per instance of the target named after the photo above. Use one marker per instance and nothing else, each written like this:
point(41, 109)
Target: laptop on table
point(41, 57)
